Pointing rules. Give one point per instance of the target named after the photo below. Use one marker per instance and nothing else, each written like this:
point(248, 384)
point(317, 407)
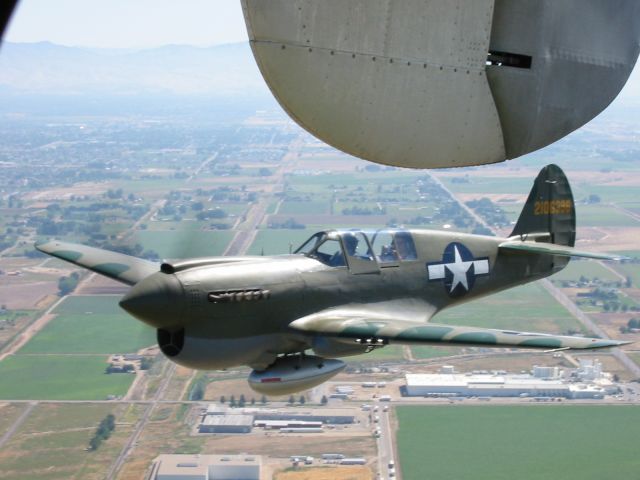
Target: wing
point(553, 249)
point(365, 325)
point(117, 266)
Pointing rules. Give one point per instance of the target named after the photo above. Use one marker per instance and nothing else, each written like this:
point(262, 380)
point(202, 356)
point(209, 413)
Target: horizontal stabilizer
point(117, 266)
point(553, 249)
point(375, 329)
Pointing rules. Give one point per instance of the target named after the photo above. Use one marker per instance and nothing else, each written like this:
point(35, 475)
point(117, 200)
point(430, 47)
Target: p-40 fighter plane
point(342, 293)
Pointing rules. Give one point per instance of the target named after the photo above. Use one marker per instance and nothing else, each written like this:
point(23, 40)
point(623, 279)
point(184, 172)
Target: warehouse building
point(207, 467)
point(327, 416)
point(226, 424)
point(490, 385)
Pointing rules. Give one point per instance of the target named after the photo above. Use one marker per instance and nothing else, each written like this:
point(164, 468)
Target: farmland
point(537, 442)
point(59, 377)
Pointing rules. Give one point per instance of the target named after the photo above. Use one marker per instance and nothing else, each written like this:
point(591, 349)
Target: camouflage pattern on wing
point(370, 327)
point(553, 249)
point(117, 266)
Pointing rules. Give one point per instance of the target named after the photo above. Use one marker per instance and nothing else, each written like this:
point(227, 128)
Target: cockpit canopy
point(359, 248)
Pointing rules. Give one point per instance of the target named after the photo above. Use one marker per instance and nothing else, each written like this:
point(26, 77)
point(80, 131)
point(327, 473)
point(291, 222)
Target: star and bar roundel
point(459, 269)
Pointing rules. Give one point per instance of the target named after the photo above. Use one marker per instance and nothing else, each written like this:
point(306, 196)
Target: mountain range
point(46, 68)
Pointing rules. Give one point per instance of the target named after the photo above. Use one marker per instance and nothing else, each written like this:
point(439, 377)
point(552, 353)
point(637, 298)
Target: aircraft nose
point(158, 300)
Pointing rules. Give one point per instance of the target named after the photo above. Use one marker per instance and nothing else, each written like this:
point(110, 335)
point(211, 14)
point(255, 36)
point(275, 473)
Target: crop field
point(51, 443)
point(294, 208)
point(59, 377)
point(602, 216)
point(585, 268)
point(93, 304)
point(92, 333)
point(183, 244)
point(527, 308)
point(524, 442)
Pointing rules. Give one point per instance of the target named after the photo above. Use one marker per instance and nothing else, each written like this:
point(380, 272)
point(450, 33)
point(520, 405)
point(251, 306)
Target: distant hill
point(46, 68)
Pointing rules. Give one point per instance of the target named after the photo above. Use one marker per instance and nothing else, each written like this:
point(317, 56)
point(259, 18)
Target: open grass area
point(59, 377)
point(524, 442)
point(92, 333)
point(185, 243)
point(528, 308)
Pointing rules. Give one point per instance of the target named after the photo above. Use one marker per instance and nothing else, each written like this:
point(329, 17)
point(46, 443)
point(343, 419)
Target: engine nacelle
point(216, 354)
point(294, 374)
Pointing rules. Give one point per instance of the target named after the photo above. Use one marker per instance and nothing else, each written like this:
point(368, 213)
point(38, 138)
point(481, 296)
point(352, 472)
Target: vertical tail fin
point(550, 209)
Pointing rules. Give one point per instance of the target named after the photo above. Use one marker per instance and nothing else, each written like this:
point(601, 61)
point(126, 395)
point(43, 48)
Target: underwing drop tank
point(294, 374)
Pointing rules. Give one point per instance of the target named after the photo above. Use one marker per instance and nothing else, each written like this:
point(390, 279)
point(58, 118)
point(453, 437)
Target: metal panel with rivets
point(432, 83)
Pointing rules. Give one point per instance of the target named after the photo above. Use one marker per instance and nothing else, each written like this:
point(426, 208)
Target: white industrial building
point(207, 467)
point(592, 382)
point(226, 424)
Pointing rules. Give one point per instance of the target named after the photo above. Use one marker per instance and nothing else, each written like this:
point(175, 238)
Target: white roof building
point(207, 467)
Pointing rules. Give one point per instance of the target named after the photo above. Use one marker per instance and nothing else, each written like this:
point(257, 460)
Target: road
point(19, 421)
point(385, 442)
point(133, 439)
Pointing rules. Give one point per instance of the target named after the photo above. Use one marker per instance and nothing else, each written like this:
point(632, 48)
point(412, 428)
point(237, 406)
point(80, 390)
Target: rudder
point(550, 209)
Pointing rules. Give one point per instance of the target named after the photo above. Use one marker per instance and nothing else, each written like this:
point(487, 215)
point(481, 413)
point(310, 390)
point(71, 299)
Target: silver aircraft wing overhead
point(432, 83)
point(117, 266)
point(369, 327)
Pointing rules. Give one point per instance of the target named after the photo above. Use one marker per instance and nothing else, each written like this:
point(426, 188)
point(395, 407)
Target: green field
point(424, 352)
point(520, 442)
point(77, 304)
point(528, 308)
point(92, 333)
point(388, 353)
point(629, 269)
point(602, 216)
point(586, 268)
point(185, 243)
point(59, 377)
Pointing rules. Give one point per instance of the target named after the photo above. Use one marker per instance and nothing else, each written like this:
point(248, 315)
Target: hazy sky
point(128, 23)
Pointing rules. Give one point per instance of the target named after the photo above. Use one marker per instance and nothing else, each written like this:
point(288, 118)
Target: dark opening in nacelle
point(506, 59)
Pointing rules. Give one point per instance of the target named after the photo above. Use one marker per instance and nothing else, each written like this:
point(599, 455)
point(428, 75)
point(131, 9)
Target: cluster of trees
point(103, 432)
point(68, 284)
point(242, 401)
point(631, 326)
point(355, 210)
point(209, 214)
point(126, 368)
point(198, 388)
point(609, 299)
